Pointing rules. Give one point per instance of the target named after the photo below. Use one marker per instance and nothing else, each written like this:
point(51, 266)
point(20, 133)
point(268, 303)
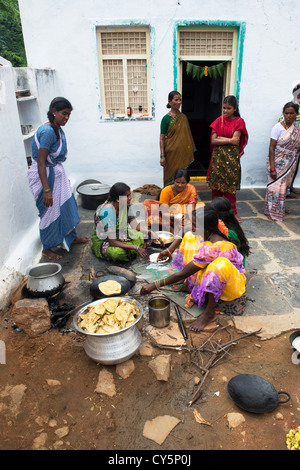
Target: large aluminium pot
point(115, 347)
point(44, 279)
point(93, 194)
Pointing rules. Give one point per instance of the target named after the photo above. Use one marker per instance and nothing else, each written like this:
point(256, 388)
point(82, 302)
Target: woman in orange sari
point(176, 196)
point(176, 142)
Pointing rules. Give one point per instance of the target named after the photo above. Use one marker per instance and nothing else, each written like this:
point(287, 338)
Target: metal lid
point(94, 189)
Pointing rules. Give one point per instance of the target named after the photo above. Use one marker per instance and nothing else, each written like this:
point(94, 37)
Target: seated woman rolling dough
point(216, 272)
point(174, 196)
point(117, 236)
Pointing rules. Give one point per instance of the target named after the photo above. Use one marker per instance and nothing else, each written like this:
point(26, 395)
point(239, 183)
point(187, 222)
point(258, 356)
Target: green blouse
point(164, 125)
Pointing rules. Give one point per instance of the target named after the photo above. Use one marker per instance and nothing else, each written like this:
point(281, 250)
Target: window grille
point(124, 74)
point(137, 85)
point(114, 85)
point(117, 43)
point(206, 43)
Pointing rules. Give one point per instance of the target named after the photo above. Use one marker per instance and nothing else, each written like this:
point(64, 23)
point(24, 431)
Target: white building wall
point(61, 35)
point(18, 214)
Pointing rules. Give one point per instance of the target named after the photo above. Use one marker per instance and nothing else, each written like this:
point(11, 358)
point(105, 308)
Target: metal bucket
point(159, 312)
point(115, 347)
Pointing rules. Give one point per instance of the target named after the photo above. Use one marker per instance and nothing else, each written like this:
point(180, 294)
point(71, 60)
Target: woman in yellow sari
point(176, 196)
point(215, 272)
point(176, 142)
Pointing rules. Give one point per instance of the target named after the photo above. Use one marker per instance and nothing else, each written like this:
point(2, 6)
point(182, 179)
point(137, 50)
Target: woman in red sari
point(229, 137)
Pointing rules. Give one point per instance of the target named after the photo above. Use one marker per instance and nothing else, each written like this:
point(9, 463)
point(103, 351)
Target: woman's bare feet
point(205, 318)
point(80, 240)
point(296, 191)
point(51, 254)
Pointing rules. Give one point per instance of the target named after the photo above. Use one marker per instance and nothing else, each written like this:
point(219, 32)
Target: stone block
point(32, 316)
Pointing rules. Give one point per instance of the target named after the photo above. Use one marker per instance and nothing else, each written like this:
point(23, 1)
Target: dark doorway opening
point(202, 104)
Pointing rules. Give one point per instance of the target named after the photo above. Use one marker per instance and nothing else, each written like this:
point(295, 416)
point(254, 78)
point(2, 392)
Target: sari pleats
point(57, 222)
point(179, 147)
point(286, 159)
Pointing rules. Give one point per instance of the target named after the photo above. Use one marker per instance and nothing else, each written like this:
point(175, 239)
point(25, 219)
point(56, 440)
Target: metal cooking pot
point(44, 279)
point(93, 194)
point(115, 347)
point(253, 393)
point(293, 337)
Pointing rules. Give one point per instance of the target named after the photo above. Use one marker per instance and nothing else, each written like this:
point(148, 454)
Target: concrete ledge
point(271, 327)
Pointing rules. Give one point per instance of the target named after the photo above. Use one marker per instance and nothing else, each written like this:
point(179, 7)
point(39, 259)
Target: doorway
point(202, 104)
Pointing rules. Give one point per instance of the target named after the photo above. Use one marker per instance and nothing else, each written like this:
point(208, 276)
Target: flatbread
point(110, 287)
point(153, 259)
point(111, 305)
point(108, 316)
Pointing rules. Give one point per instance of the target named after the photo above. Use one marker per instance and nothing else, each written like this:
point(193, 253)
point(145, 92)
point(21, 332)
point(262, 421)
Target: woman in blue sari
point(49, 183)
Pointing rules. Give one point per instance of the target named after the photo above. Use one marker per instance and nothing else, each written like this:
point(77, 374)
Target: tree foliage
point(11, 36)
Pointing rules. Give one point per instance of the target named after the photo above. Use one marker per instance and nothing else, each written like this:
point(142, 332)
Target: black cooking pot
point(293, 336)
point(93, 193)
point(253, 393)
point(95, 291)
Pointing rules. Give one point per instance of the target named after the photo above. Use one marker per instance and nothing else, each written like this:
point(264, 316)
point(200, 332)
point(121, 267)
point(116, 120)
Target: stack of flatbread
point(106, 317)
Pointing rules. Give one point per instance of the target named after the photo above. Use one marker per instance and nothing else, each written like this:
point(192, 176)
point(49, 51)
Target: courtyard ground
point(48, 390)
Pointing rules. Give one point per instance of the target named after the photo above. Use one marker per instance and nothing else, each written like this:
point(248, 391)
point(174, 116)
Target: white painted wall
point(61, 35)
point(20, 244)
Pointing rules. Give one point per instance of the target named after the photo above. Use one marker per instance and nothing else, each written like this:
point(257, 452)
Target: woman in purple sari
point(216, 272)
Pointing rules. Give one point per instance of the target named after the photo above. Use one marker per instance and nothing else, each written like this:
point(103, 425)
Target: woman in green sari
point(117, 236)
point(176, 142)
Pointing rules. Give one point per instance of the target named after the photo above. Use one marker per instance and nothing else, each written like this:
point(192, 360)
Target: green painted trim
point(240, 25)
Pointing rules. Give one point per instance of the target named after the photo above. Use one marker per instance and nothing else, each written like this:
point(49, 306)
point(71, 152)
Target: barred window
point(124, 70)
point(206, 43)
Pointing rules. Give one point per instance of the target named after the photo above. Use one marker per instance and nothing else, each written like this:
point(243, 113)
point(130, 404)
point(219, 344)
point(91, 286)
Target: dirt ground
point(58, 407)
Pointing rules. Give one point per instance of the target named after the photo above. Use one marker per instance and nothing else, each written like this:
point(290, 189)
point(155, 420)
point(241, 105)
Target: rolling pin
point(182, 327)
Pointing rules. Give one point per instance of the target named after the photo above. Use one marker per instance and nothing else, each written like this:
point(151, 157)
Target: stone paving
point(272, 269)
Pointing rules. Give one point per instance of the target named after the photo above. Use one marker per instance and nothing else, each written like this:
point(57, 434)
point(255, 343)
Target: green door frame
point(241, 27)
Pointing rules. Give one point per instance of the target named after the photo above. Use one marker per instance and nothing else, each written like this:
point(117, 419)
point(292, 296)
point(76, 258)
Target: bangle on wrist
point(162, 155)
point(47, 190)
point(137, 247)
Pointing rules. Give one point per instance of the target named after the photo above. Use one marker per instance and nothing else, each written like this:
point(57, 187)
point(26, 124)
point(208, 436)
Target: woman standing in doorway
point(176, 142)
point(229, 137)
point(49, 184)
